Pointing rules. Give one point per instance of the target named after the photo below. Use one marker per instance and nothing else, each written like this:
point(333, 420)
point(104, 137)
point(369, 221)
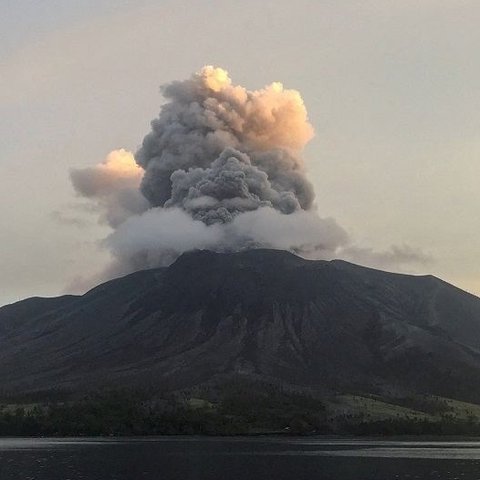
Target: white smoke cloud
point(158, 236)
point(221, 170)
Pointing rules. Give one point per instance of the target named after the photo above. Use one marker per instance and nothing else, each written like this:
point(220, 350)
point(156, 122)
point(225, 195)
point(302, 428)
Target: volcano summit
point(262, 314)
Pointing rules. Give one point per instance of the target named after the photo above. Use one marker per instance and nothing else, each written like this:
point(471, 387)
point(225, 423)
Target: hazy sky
point(392, 89)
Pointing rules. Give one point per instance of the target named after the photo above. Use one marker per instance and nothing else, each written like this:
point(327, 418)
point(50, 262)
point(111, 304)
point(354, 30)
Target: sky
point(392, 90)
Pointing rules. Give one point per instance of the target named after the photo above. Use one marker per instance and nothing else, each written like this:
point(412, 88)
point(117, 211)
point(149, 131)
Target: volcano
point(260, 314)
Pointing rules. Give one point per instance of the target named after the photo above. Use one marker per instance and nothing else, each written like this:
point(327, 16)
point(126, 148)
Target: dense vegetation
point(237, 411)
point(235, 408)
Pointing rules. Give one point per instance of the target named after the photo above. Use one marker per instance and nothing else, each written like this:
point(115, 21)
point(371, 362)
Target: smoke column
point(221, 169)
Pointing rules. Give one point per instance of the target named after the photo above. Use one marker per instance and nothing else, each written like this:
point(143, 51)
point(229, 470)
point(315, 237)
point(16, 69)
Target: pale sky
point(392, 89)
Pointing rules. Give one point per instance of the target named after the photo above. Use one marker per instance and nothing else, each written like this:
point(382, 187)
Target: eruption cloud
point(221, 169)
point(218, 150)
point(114, 185)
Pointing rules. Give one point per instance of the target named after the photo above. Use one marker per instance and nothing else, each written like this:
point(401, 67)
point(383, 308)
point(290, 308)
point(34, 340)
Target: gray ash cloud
point(221, 169)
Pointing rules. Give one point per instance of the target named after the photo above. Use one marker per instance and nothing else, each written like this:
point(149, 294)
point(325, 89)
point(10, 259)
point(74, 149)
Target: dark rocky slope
point(263, 314)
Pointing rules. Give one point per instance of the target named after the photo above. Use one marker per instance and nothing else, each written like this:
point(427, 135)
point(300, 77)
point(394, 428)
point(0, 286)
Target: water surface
point(198, 458)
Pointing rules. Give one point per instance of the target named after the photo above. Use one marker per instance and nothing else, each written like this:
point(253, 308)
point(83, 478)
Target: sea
point(238, 458)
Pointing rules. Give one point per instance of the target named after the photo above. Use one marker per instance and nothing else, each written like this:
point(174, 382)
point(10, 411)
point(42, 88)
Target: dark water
point(234, 459)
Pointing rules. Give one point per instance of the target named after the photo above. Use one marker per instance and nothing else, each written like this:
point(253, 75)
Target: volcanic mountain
point(261, 314)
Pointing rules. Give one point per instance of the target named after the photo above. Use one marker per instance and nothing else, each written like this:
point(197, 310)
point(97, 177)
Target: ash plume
point(114, 186)
point(221, 169)
point(220, 149)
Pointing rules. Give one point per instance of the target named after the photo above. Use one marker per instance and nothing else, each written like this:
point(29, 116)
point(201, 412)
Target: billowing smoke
point(221, 169)
point(114, 185)
point(218, 150)
point(159, 235)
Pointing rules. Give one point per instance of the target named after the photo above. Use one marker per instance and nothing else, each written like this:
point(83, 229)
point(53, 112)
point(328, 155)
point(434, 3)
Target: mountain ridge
point(264, 314)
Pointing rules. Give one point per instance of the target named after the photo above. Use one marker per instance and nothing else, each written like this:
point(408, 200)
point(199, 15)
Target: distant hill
point(261, 314)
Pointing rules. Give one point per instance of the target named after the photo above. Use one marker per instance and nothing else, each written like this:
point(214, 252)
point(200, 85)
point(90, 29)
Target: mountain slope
point(262, 313)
